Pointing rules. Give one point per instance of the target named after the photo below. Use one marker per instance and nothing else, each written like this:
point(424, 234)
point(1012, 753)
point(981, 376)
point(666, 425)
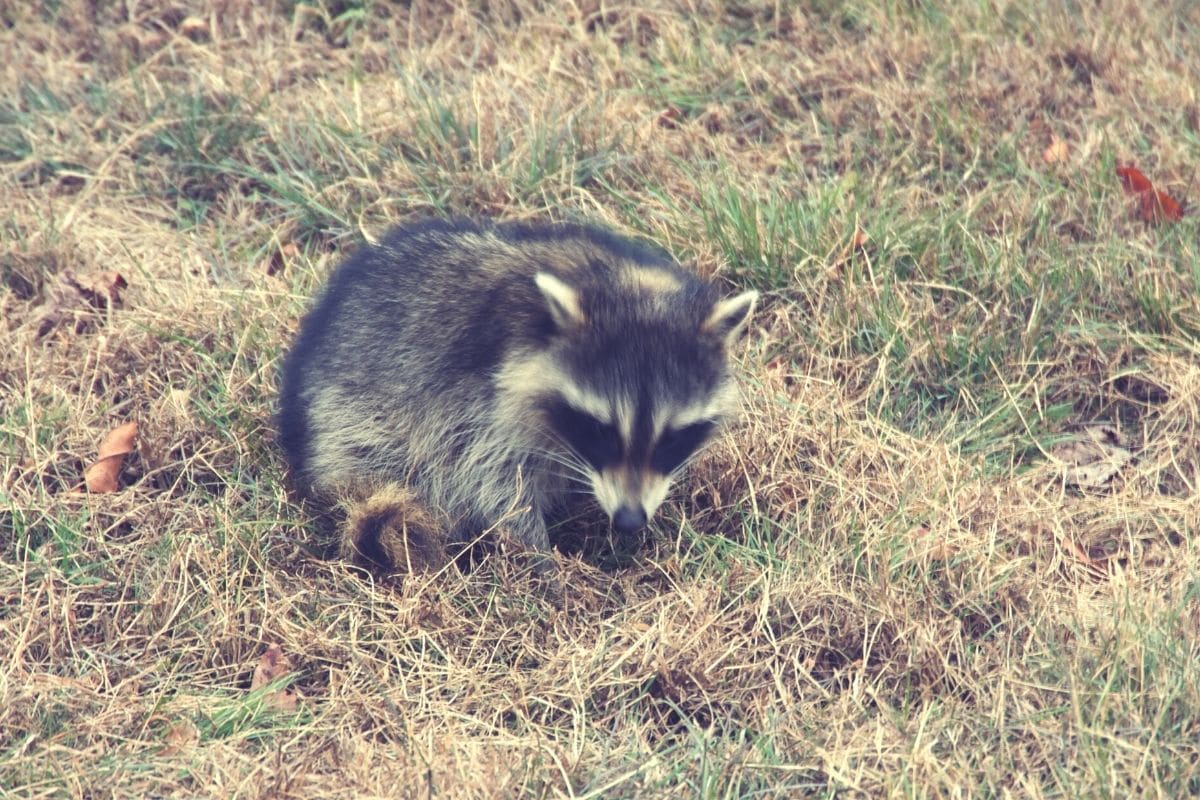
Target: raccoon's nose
point(629, 519)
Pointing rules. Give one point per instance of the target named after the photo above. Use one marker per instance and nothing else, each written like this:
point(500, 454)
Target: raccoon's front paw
point(539, 563)
point(528, 554)
point(532, 557)
point(546, 578)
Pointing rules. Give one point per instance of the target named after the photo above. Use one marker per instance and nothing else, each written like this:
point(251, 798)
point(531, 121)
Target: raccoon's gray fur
point(497, 370)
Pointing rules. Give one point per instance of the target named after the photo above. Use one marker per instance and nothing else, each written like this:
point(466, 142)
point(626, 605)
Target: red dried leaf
point(1153, 205)
point(1133, 181)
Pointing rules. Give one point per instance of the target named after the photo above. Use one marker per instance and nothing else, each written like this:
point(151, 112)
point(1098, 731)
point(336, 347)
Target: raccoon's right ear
point(562, 300)
point(730, 315)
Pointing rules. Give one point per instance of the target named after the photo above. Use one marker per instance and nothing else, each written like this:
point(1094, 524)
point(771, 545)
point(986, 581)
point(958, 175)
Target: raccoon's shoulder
point(606, 269)
point(587, 239)
point(503, 249)
point(432, 234)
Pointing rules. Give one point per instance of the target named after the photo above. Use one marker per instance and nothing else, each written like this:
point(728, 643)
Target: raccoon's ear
point(561, 299)
point(730, 315)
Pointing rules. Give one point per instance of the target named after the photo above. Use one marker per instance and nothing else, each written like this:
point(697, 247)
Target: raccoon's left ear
point(730, 315)
point(561, 299)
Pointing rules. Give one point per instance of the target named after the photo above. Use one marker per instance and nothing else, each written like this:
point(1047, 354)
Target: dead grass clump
point(25, 271)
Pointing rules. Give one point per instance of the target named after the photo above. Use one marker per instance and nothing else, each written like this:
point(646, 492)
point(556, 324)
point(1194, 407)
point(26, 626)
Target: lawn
point(893, 576)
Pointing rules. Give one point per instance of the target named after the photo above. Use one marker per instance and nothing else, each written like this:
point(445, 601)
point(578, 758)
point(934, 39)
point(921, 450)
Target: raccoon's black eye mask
point(677, 445)
point(594, 441)
point(599, 443)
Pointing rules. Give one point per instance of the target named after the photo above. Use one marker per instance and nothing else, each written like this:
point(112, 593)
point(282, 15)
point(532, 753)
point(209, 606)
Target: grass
point(878, 584)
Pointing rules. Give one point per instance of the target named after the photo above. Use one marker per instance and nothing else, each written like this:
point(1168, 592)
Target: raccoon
point(501, 371)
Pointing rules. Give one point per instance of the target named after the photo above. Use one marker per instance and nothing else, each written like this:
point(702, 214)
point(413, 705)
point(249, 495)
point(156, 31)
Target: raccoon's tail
point(390, 529)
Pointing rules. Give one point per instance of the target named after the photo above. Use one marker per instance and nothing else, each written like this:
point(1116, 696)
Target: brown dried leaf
point(101, 476)
point(280, 258)
point(272, 665)
point(179, 737)
point(933, 546)
point(1091, 457)
point(195, 29)
point(1097, 568)
point(857, 244)
point(859, 240)
point(1057, 152)
point(102, 289)
point(77, 299)
point(670, 117)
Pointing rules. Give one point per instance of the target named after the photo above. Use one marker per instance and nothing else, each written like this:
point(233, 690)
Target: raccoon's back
point(410, 333)
point(370, 349)
point(412, 327)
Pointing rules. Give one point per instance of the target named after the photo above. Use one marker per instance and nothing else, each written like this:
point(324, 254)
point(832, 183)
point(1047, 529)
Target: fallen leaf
point(1056, 152)
point(858, 243)
point(1154, 206)
point(194, 28)
point(102, 475)
point(77, 299)
point(272, 666)
point(1097, 568)
point(1133, 181)
point(859, 240)
point(102, 289)
point(935, 547)
point(670, 117)
point(280, 258)
point(1091, 457)
point(179, 737)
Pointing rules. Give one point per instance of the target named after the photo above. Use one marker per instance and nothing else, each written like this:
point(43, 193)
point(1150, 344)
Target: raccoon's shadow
point(588, 534)
point(584, 533)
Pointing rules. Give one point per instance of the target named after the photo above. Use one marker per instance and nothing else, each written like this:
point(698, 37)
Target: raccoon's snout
point(629, 519)
point(629, 496)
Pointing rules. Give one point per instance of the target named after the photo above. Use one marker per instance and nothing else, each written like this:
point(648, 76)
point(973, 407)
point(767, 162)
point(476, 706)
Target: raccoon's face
point(641, 387)
point(629, 462)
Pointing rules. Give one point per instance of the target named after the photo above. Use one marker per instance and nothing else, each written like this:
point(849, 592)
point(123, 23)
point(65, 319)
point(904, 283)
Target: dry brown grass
point(876, 584)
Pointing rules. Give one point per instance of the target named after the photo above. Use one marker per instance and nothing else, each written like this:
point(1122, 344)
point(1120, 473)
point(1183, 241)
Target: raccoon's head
point(639, 381)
